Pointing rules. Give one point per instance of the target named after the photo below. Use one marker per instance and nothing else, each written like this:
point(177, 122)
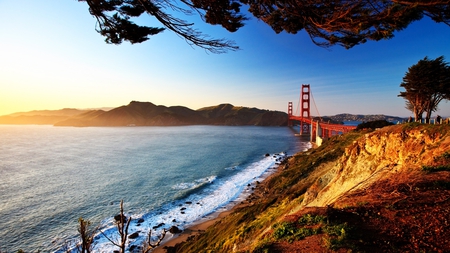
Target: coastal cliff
point(386, 190)
point(375, 156)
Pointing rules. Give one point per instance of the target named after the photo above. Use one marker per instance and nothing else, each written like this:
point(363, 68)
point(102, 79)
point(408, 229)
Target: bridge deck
point(323, 125)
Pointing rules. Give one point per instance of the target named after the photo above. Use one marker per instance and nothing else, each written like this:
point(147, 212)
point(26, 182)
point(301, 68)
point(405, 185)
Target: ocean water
point(166, 176)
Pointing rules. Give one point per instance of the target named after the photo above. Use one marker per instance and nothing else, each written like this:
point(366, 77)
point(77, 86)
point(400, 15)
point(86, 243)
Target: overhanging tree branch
point(343, 22)
point(185, 31)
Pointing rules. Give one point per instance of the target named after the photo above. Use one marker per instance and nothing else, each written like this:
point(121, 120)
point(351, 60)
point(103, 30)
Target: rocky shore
point(368, 191)
point(254, 192)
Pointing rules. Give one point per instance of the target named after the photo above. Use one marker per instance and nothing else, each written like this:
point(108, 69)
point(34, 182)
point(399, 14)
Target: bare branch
point(184, 29)
point(122, 229)
point(149, 246)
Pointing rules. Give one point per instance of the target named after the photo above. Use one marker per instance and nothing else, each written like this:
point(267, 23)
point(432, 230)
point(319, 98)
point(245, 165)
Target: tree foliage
point(426, 84)
point(114, 20)
point(343, 22)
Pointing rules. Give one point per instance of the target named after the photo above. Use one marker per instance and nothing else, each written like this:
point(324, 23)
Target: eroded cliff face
point(375, 156)
point(372, 182)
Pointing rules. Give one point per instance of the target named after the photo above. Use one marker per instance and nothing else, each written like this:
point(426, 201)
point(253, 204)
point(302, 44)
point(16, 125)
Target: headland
point(386, 189)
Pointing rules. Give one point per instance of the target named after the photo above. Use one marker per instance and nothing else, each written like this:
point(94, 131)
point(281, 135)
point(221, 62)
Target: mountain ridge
point(148, 114)
point(365, 117)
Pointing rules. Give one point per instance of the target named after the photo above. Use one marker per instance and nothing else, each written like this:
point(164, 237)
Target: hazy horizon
point(53, 58)
point(108, 108)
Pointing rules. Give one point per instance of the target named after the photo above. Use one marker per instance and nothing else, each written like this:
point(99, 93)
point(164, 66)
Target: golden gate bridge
point(316, 128)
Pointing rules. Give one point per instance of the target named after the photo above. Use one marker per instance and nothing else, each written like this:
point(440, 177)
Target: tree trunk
point(428, 117)
point(418, 114)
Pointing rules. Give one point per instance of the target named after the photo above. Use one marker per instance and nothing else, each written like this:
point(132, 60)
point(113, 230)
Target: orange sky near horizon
point(52, 58)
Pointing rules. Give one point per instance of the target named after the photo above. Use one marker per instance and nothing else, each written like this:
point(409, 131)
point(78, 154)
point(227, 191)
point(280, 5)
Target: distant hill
point(39, 117)
point(363, 118)
point(148, 114)
point(227, 114)
point(61, 112)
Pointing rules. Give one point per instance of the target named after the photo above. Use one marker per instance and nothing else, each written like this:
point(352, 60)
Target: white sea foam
point(193, 185)
point(233, 168)
point(49, 177)
point(219, 194)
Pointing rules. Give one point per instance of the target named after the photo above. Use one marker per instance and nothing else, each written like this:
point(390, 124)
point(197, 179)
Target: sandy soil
point(405, 212)
point(193, 230)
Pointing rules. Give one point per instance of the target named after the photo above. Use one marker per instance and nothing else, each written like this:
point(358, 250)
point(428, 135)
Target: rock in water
point(175, 230)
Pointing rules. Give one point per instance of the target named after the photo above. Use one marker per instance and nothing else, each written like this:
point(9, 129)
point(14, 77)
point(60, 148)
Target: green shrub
point(289, 232)
point(283, 230)
point(309, 219)
point(374, 124)
point(436, 168)
point(337, 236)
point(337, 229)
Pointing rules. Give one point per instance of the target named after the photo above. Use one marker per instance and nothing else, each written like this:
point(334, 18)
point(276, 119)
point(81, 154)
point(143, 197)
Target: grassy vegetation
point(291, 181)
point(309, 219)
point(436, 168)
point(442, 164)
point(334, 233)
point(247, 226)
point(446, 155)
point(430, 128)
point(260, 225)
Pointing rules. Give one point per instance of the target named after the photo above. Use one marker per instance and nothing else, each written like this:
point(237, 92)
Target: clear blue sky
point(51, 57)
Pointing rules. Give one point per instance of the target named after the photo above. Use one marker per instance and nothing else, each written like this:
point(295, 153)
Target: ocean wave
point(194, 185)
point(233, 168)
point(192, 208)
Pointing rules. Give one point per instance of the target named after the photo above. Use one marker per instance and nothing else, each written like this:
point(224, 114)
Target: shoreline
point(193, 230)
point(247, 196)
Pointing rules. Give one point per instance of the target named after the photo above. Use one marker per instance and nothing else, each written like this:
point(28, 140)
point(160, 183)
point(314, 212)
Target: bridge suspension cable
point(307, 124)
point(297, 111)
point(300, 100)
point(315, 106)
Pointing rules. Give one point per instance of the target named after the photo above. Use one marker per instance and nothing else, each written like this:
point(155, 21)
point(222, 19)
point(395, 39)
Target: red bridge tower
point(305, 113)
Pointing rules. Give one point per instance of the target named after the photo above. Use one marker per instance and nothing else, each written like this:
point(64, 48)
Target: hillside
point(364, 118)
point(148, 114)
point(40, 117)
point(380, 191)
point(227, 114)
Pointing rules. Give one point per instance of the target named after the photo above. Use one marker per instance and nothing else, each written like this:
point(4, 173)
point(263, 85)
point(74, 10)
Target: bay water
point(166, 176)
